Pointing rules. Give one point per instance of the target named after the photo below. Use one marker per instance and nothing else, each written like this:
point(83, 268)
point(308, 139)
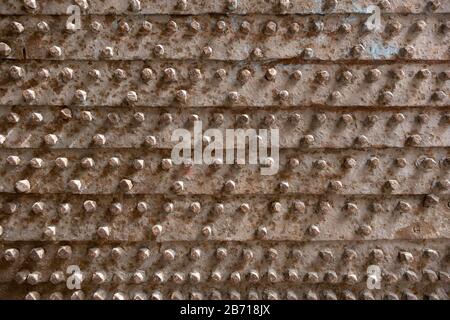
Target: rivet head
point(107, 52)
point(61, 162)
point(95, 74)
point(271, 74)
point(270, 28)
point(146, 26)
point(403, 206)
point(207, 231)
point(55, 51)
point(283, 186)
point(17, 27)
point(235, 277)
point(434, 4)
point(181, 96)
point(57, 277)
point(424, 74)
point(5, 50)
point(391, 185)
point(37, 254)
point(326, 255)
point(336, 96)
point(116, 208)
point(207, 51)
point(142, 207)
point(431, 254)
point(294, 28)
point(351, 208)
point(308, 53)
point(365, 230)
point(195, 207)
point(124, 27)
point(159, 50)
point(99, 139)
point(439, 95)
point(247, 254)
point(16, 73)
point(262, 232)
point(157, 230)
point(362, 141)
point(90, 206)
point(317, 26)
point(297, 75)
point(430, 200)
point(64, 252)
point(80, 96)
point(393, 27)
point(36, 118)
point(232, 5)
point(182, 5)
point(178, 186)
point(221, 26)
point(308, 140)
point(322, 77)
point(377, 255)
point(33, 295)
point(23, 186)
point(96, 26)
point(358, 50)
point(284, 4)
point(126, 185)
point(11, 255)
point(104, 232)
point(135, 5)
point(419, 26)
point(29, 95)
point(405, 256)
point(313, 230)
point(414, 140)
point(320, 118)
point(349, 163)
point(138, 164)
point(373, 75)
point(150, 141)
point(407, 52)
point(283, 95)
point(38, 207)
point(245, 27)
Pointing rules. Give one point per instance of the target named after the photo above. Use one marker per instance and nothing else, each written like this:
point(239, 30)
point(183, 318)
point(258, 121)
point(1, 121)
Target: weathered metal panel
point(188, 7)
point(368, 85)
point(276, 37)
point(87, 177)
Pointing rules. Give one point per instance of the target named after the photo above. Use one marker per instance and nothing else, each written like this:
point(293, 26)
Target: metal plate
point(87, 177)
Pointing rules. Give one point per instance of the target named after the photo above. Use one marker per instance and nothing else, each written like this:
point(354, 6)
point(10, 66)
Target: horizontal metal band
point(222, 84)
point(223, 218)
point(226, 7)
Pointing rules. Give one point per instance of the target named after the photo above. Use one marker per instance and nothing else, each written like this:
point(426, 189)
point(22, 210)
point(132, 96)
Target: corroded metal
point(87, 178)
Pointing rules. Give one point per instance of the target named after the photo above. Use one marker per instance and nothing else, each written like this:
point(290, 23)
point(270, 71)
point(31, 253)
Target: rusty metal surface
point(86, 176)
point(227, 6)
point(186, 38)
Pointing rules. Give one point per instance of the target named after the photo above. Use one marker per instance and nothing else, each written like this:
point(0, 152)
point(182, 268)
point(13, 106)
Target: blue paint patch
point(378, 51)
point(351, 19)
